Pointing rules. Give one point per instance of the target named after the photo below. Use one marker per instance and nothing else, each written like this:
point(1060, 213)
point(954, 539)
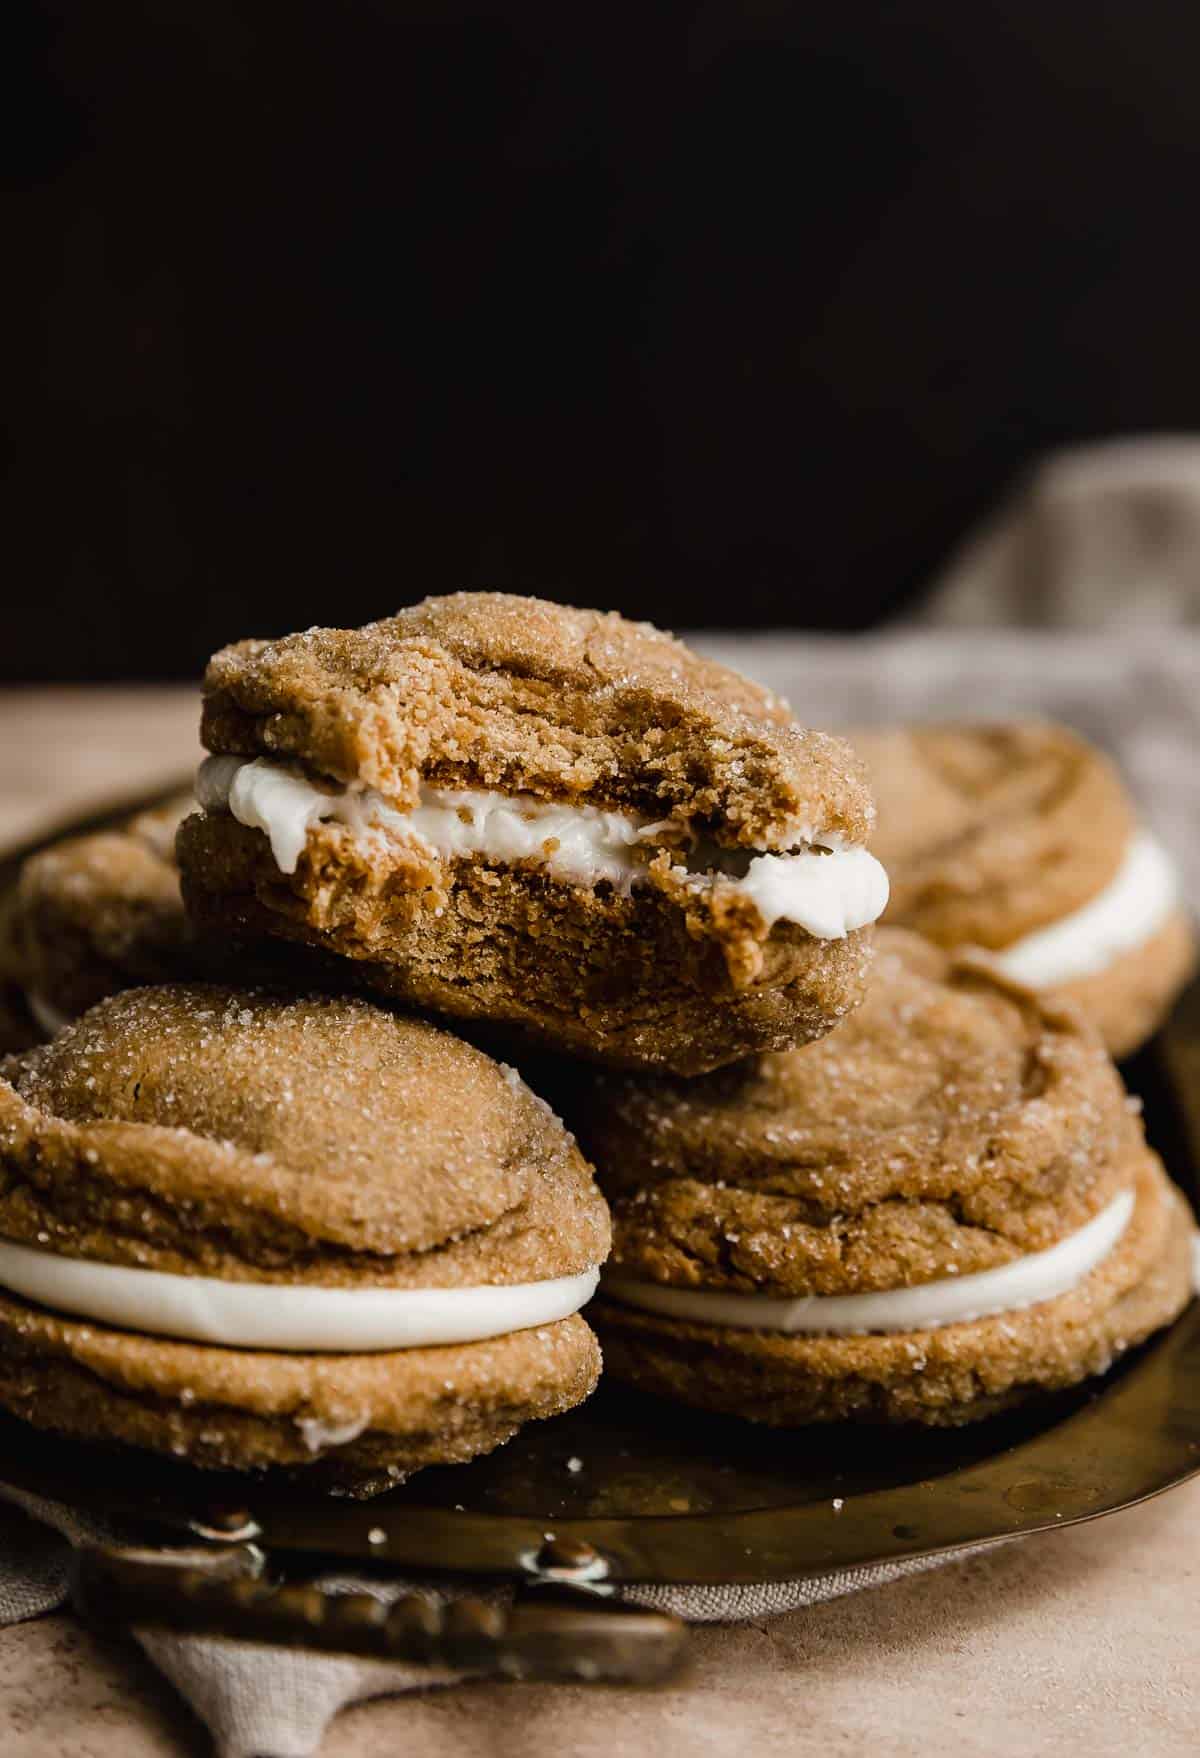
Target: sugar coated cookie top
point(489, 690)
point(989, 832)
point(952, 1123)
point(314, 1139)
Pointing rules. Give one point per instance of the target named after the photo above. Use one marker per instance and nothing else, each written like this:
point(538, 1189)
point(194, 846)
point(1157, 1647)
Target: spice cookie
point(550, 819)
point(97, 913)
point(257, 1232)
point(1021, 838)
point(946, 1205)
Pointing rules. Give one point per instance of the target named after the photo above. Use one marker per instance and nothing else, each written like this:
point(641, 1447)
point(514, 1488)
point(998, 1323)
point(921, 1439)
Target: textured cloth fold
point(264, 1702)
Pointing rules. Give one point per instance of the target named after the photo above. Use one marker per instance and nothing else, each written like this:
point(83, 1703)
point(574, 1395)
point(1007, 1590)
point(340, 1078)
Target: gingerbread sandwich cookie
point(944, 1207)
point(256, 1232)
point(546, 819)
point(1021, 838)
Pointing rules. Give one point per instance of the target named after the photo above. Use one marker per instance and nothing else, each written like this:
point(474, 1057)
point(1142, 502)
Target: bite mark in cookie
point(826, 887)
point(641, 834)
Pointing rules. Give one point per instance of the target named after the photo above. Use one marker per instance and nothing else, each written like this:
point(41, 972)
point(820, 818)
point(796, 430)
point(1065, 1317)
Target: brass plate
point(667, 1495)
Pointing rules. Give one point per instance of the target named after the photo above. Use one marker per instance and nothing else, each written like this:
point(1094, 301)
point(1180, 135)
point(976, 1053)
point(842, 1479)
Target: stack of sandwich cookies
point(251, 1231)
point(946, 1205)
point(257, 1231)
point(550, 820)
point(94, 914)
point(1022, 839)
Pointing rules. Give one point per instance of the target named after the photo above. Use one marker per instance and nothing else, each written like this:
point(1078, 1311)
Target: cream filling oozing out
point(1127, 913)
point(269, 1315)
point(829, 888)
point(1040, 1275)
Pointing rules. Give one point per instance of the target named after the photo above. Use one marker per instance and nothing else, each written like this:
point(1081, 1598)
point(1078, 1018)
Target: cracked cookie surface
point(942, 1378)
point(489, 690)
point(315, 1143)
point(953, 1126)
point(623, 980)
point(994, 833)
point(989, 832)
point(678, 964)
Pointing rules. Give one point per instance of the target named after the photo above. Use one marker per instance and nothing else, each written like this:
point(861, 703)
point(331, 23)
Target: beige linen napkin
point(1104, 535)
point(265, 1702)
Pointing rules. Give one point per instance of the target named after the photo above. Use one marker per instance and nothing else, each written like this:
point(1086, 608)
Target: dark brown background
point(724, 314)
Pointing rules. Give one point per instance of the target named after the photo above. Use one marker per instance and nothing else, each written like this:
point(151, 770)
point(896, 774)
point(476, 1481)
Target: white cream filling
point(828, 890)
point(1041, 1275)
point(1123, 916)
point(269, 1315)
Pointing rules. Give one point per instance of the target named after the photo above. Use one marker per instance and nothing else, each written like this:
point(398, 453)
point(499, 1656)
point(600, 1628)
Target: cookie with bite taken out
point(548, 820)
